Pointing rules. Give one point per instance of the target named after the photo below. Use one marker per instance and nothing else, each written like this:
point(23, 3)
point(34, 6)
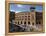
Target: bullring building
point(32, 18)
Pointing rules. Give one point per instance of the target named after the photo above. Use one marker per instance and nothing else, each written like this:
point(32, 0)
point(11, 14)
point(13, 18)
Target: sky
point(23, 8)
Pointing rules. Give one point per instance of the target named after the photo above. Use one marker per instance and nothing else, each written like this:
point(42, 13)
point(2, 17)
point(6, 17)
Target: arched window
point(28, 22)
point(39, 22)
point(18, 22)
point(32, 23)
point(21, 22)
point(36, 22)
point(24, 22)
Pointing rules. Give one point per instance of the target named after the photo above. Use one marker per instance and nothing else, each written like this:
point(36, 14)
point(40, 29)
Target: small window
point(22, 16)
point(28, 16)
point(25, 13)
point(25, 16)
